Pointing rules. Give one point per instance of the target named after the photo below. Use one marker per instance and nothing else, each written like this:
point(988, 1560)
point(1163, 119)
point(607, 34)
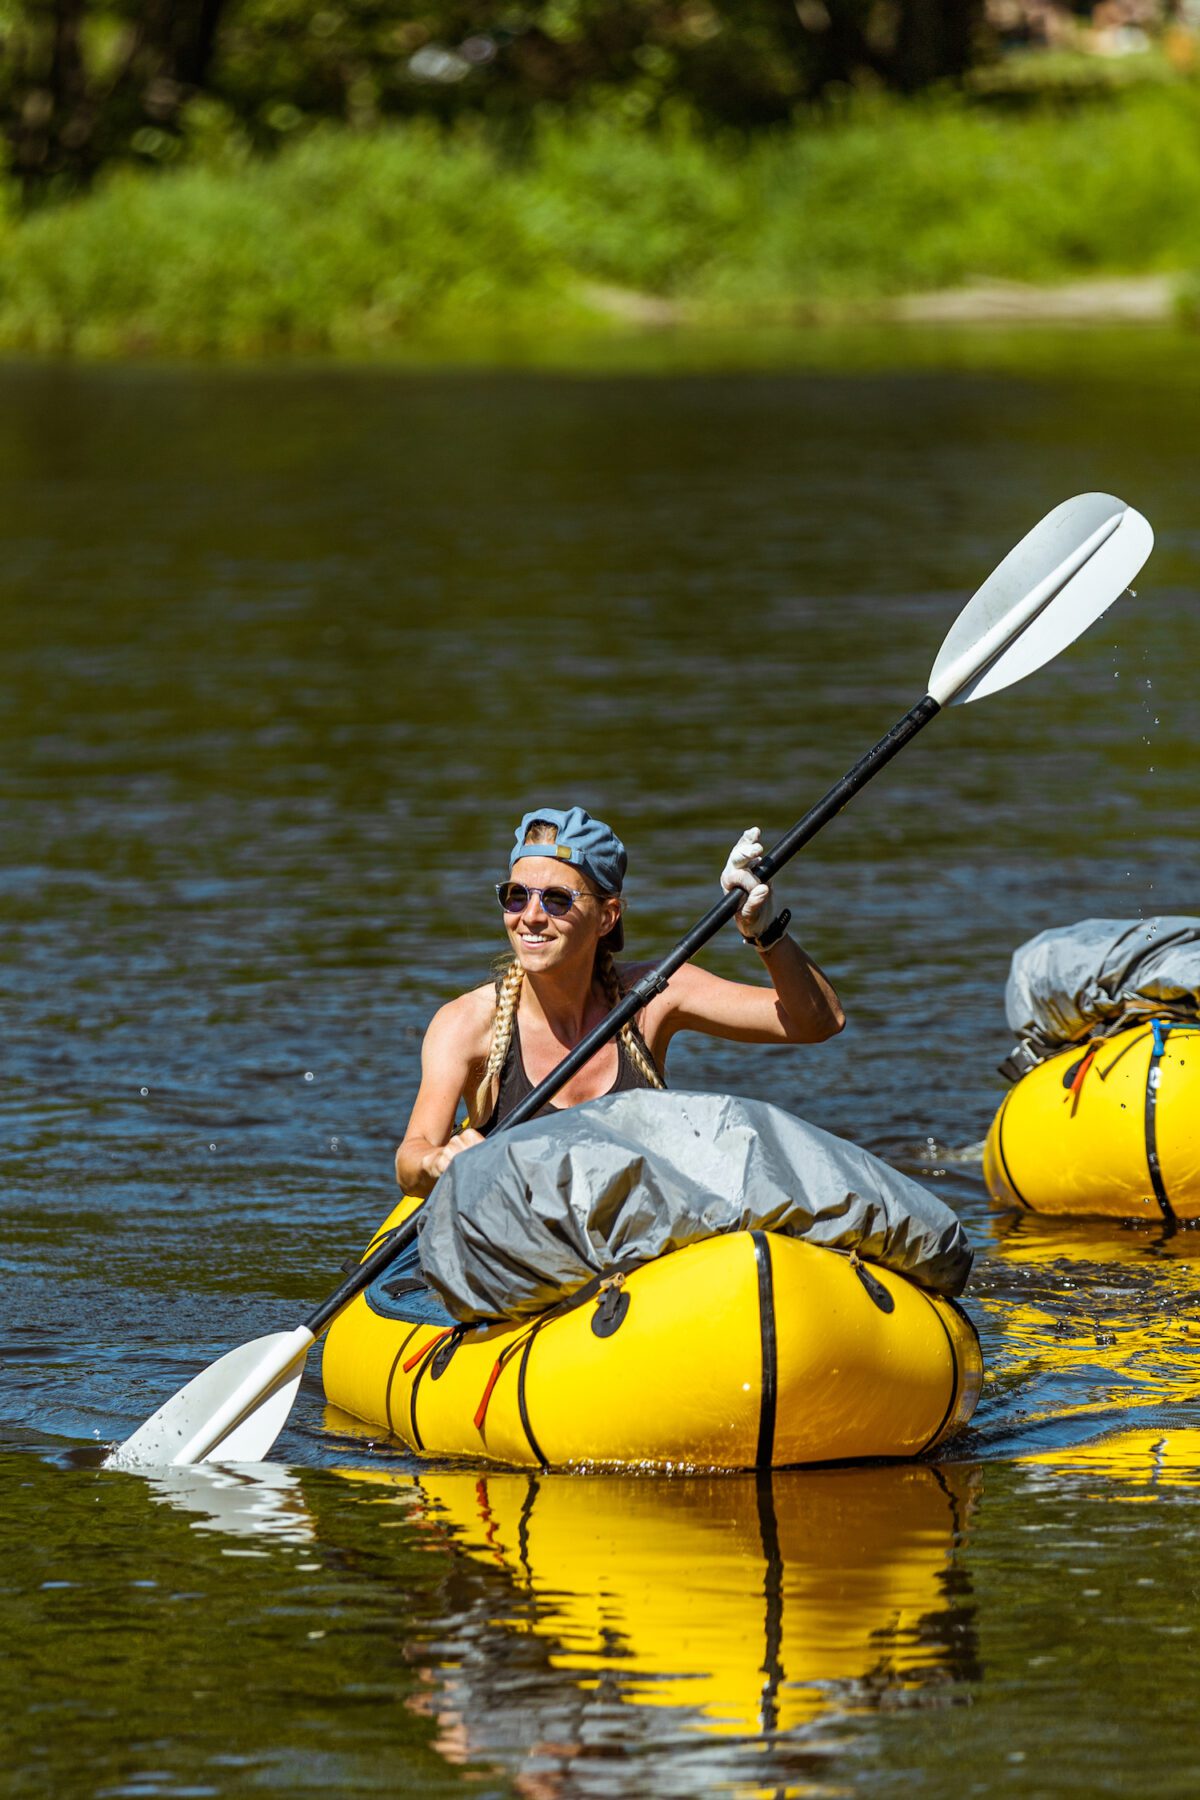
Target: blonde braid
point(610, 981)
point(508, 992)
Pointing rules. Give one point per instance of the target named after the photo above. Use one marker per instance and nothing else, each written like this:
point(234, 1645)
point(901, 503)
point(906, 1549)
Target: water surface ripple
point(282, 656)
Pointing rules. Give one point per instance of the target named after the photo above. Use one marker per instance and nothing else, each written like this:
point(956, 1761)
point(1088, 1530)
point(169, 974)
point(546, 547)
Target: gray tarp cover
point(1100, 974)
point(522, 1221)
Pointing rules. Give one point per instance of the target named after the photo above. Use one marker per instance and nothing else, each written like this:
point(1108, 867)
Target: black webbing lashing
point(1150, 1116)
point(522, 1405)
point(1003, 1159)
point(387, 1392)
point(955, 1371)
point(426, 1360)
point(764, 1454)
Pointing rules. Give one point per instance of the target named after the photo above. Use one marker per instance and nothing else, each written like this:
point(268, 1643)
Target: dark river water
point(283, 655)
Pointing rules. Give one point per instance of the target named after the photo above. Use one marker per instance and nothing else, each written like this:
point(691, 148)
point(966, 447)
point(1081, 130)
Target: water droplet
point(308, 1074)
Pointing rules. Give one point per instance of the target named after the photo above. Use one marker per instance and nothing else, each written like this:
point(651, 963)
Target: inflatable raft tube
point(745, 1351)
point(1109, 1129)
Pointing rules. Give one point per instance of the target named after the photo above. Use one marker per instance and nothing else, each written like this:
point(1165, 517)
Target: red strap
point(417, 1355)
point(493, 1378)
point(1080, 1073)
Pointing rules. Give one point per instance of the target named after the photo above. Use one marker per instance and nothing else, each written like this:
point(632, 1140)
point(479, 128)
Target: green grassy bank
point(411, 239)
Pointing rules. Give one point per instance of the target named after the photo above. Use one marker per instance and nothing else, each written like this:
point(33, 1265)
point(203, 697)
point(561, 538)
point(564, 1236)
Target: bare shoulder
point(463, 1024)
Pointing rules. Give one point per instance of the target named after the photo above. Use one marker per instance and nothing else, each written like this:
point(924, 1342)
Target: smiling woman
point(562, 914)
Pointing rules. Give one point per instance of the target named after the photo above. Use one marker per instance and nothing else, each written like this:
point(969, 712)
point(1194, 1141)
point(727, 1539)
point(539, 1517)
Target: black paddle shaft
point(654, 982)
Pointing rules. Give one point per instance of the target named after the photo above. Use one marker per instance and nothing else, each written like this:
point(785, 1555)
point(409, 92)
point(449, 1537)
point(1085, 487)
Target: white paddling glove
point(757, 919)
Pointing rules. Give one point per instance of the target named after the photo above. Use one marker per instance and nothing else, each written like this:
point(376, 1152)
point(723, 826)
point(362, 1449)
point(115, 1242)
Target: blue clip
point(1160, 1028)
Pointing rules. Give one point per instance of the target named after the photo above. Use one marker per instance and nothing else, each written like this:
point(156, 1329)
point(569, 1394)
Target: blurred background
point(253, 175)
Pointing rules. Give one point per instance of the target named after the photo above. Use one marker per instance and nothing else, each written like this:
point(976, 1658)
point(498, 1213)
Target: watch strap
point(775, 930)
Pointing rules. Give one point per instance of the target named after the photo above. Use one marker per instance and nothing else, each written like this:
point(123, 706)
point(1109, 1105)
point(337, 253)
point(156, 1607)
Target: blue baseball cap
point(588, 844)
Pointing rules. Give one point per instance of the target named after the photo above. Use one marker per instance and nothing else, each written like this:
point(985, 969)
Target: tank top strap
point(515, 1085)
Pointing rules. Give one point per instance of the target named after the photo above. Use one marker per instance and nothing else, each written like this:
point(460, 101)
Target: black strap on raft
point(875, 1288)
point(523, 1405)
point(439, 1362)
point(397, 1363)
point(955, 1365)
point(765, 1453)
point(1008, 1175)
point(1159, 1030)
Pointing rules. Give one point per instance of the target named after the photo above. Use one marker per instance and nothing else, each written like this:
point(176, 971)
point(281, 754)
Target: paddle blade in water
point(231, 1412)
point(1057, 581)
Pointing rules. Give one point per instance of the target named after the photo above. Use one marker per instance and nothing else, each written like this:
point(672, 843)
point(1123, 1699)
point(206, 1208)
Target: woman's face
point(541, 941)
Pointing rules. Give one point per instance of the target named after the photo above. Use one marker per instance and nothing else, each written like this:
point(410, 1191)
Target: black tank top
point(515, 1084)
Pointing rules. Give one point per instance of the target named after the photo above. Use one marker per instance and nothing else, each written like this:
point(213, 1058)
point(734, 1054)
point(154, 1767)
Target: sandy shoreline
point(1106, 300)
point(1133, 299)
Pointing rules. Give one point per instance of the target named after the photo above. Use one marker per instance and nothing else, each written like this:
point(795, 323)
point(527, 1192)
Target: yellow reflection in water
point(1100, 1320)
point(1143, 1461)
point(757, 1603)
point(1026, 1239)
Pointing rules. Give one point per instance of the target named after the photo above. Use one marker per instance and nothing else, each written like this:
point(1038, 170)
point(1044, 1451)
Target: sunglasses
point(514, 897)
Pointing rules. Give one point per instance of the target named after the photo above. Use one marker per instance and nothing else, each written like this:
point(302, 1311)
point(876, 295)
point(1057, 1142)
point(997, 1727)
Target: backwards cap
point(588, 844)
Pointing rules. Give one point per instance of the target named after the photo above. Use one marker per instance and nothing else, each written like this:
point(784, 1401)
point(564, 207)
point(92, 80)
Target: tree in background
point(81, 82)
point(87, 82)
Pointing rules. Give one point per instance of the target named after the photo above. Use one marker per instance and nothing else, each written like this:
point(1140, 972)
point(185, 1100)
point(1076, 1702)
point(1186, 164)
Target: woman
point(562, 912)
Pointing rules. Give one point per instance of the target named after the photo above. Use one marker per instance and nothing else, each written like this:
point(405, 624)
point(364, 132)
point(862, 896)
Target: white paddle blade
point(231, 1412)
point(1057, 581)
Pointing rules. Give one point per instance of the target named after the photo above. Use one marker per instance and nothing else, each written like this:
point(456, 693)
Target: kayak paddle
point(1057, 581)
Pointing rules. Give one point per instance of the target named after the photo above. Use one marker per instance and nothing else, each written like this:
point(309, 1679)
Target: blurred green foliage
point(84, 83)
point(419, 236)
point(345, 242)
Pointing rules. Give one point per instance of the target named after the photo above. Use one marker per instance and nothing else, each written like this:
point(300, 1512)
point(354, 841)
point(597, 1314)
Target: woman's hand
point(758, 908)
point(439, 1159)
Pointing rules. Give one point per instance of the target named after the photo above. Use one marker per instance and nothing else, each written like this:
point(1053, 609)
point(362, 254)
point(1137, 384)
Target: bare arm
point(801, 1006)
point(450, 1057)
point(802, 1009)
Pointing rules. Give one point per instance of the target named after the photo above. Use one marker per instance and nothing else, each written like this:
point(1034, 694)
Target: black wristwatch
point(775, 930)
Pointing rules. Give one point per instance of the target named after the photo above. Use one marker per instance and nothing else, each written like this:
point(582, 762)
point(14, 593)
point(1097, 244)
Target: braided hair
point(610, 981)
